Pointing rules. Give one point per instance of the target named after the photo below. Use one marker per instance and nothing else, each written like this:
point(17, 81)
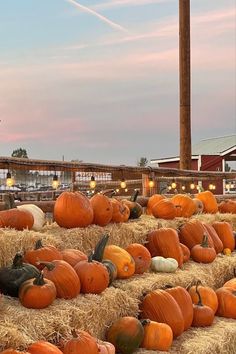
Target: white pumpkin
point(161, 264)
point(38, 215)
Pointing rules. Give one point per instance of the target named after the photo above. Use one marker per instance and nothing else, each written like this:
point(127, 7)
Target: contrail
point(102, 18)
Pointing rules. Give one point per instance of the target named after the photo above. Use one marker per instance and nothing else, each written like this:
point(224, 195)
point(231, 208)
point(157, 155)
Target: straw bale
point(94, 313)
point(220, 338)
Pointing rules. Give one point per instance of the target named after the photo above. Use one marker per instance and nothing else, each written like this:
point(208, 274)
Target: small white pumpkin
point(38, 215)
point(161, 264)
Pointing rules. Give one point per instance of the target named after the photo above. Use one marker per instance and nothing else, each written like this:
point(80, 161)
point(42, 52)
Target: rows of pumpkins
point(74, 209)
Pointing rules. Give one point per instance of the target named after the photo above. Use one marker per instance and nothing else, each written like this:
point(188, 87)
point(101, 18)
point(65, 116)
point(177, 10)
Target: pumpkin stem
point(17, 261)
point(39, 280)
point(199, 296)
point(167, 286)
point(134, 196)
point(144, 322)
point(74, 334)
point(90, 257)
point(99, 248)
point(38, 244)
point(49, 265)
point(205, 243)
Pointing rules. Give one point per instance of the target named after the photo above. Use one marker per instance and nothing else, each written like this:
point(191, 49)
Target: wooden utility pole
point(185, 85)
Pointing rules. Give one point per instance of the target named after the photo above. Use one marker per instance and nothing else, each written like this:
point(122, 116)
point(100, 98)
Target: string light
point(151, 183)
point(55, 181)
point(9, 180)
point(92, 183)
point(192, 185)
point(123, 183)
point(126, 189)
point(183, 188)
point(173, 184)
point(117, 190)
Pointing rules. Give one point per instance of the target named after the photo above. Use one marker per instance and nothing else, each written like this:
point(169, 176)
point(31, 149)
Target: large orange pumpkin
point(102, 209)
point(185, 206)
point(43, 347)
point(227, 206)
point(209, 201)
point(141, 256)
point(120, 211)
point(73, 209)
point(207, 294)
point(81, 343)
point(218, 245)
point(164, 209)
point(225, 232)
point(16, 219)
point(191, 233)
point(155, 198)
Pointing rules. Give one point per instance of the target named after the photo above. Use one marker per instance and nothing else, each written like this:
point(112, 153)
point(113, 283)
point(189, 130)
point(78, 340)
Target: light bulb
point(123, 183)
point(55, 182)
point(151, 183)
point(92, 183)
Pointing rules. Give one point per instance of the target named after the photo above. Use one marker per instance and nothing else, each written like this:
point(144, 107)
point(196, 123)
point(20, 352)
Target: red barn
point(213, 154)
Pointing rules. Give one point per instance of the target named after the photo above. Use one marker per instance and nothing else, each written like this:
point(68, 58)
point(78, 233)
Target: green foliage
point(22, 153)
point(143, 161)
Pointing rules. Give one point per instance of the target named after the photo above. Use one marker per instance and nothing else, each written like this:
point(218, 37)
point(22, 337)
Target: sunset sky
point(97, 80)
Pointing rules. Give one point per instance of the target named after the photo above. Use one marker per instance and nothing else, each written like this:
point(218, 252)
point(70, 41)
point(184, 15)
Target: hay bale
point(218, 339)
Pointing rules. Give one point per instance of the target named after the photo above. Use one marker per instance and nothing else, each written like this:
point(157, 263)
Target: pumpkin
point(73, 256)
point(225, 232)
point(191, 233)
point(185, 251)
point(102, 209)
point(38, 215)
point(157, 336)
point(41, 253)
point(152, 201)
point(11, 277)
point(43, 347)
point(135, 208)
point(209, 201)
point(141, 256)
point(208, 295)
point(203, 253)
point(199, 207)
point(164, 209)
point(184, 300)
point(120, 211)
point(203, 315)
point(227, 251)
point(165, 242)
point(13, 351)
point(106, 348)
point(16, 219)
point(160, 306)
point(81, 343)
point(123, 261)
point(93, 275)
point(227, 302)
point(73, 209)
point(37, 293)
point(161, 264)
point(227, 206)
point(232, 282)
point(64, 277)
point(126, 334)
point(185, 206)
point(218, 245)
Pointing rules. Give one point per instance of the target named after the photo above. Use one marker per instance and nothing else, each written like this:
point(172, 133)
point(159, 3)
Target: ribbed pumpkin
point(73, 256)
point(218, 245)
point(209, 201)
point(203, 315)
point(164, 209)
point(120, 211)
point(203, 253)
point(13, 351)
point(227, 206)
point(41, 253)
point(141, 256)
point(165, 242)
point(160, 306)
point(37, 293)
point(225, 232)
point(81, 343)
point(73, 209)
point(64, 277)
point(16, 219)
point(185, 206)
point(207, 294)
point(155, 198)
point(186, 252)
point(43, 347)
point(102, 209)
point(232, 282)
point(123, 261)
point(126, 334)
point(183, 299)
point(157, 336)
point(191, 233)
point(227, 302)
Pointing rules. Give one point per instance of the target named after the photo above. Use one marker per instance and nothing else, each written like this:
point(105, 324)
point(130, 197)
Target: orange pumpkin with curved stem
point(203, 315)
point(157, 336)
point(102, 209)
point(43, 347)
point(203, 253)
point(141, 256)
point(207, 294)
point(81, 343)
point(191, 233)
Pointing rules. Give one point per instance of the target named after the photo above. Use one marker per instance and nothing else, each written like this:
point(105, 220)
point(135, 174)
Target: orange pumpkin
point(64, 277)
point(185, 251)
point(43, 347)
point(207, 294)
point(120, 211)
point(225, 232)
point(157, 336)
point(41, 253)
point(81, 343)
point(232, 282)
point(141, 256)
point(73, 209)
point(73, 256)
point(203, 315)
point(218, 245)
point(185, 206)
point(164, 209)
point(227, 302)
point(203, 253)
point(123, 261)
point(209, 201)
point(102, 209)
point(155, 198)
point(18, 219)
point(199, 207)
point(165, 242)
point(126, 334)
point(13, 351)
point(191, 233)
point(227, 206)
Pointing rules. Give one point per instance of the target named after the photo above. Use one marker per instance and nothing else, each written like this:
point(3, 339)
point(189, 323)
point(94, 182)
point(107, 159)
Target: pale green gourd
point(161, 264)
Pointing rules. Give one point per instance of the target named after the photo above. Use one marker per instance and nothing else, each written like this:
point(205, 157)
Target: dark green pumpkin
point(13, 276)
point(135, 208)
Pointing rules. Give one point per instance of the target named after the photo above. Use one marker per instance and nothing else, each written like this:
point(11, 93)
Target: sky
point(98, 80)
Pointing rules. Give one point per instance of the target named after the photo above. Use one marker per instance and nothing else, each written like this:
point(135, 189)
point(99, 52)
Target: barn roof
point(215, 146)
